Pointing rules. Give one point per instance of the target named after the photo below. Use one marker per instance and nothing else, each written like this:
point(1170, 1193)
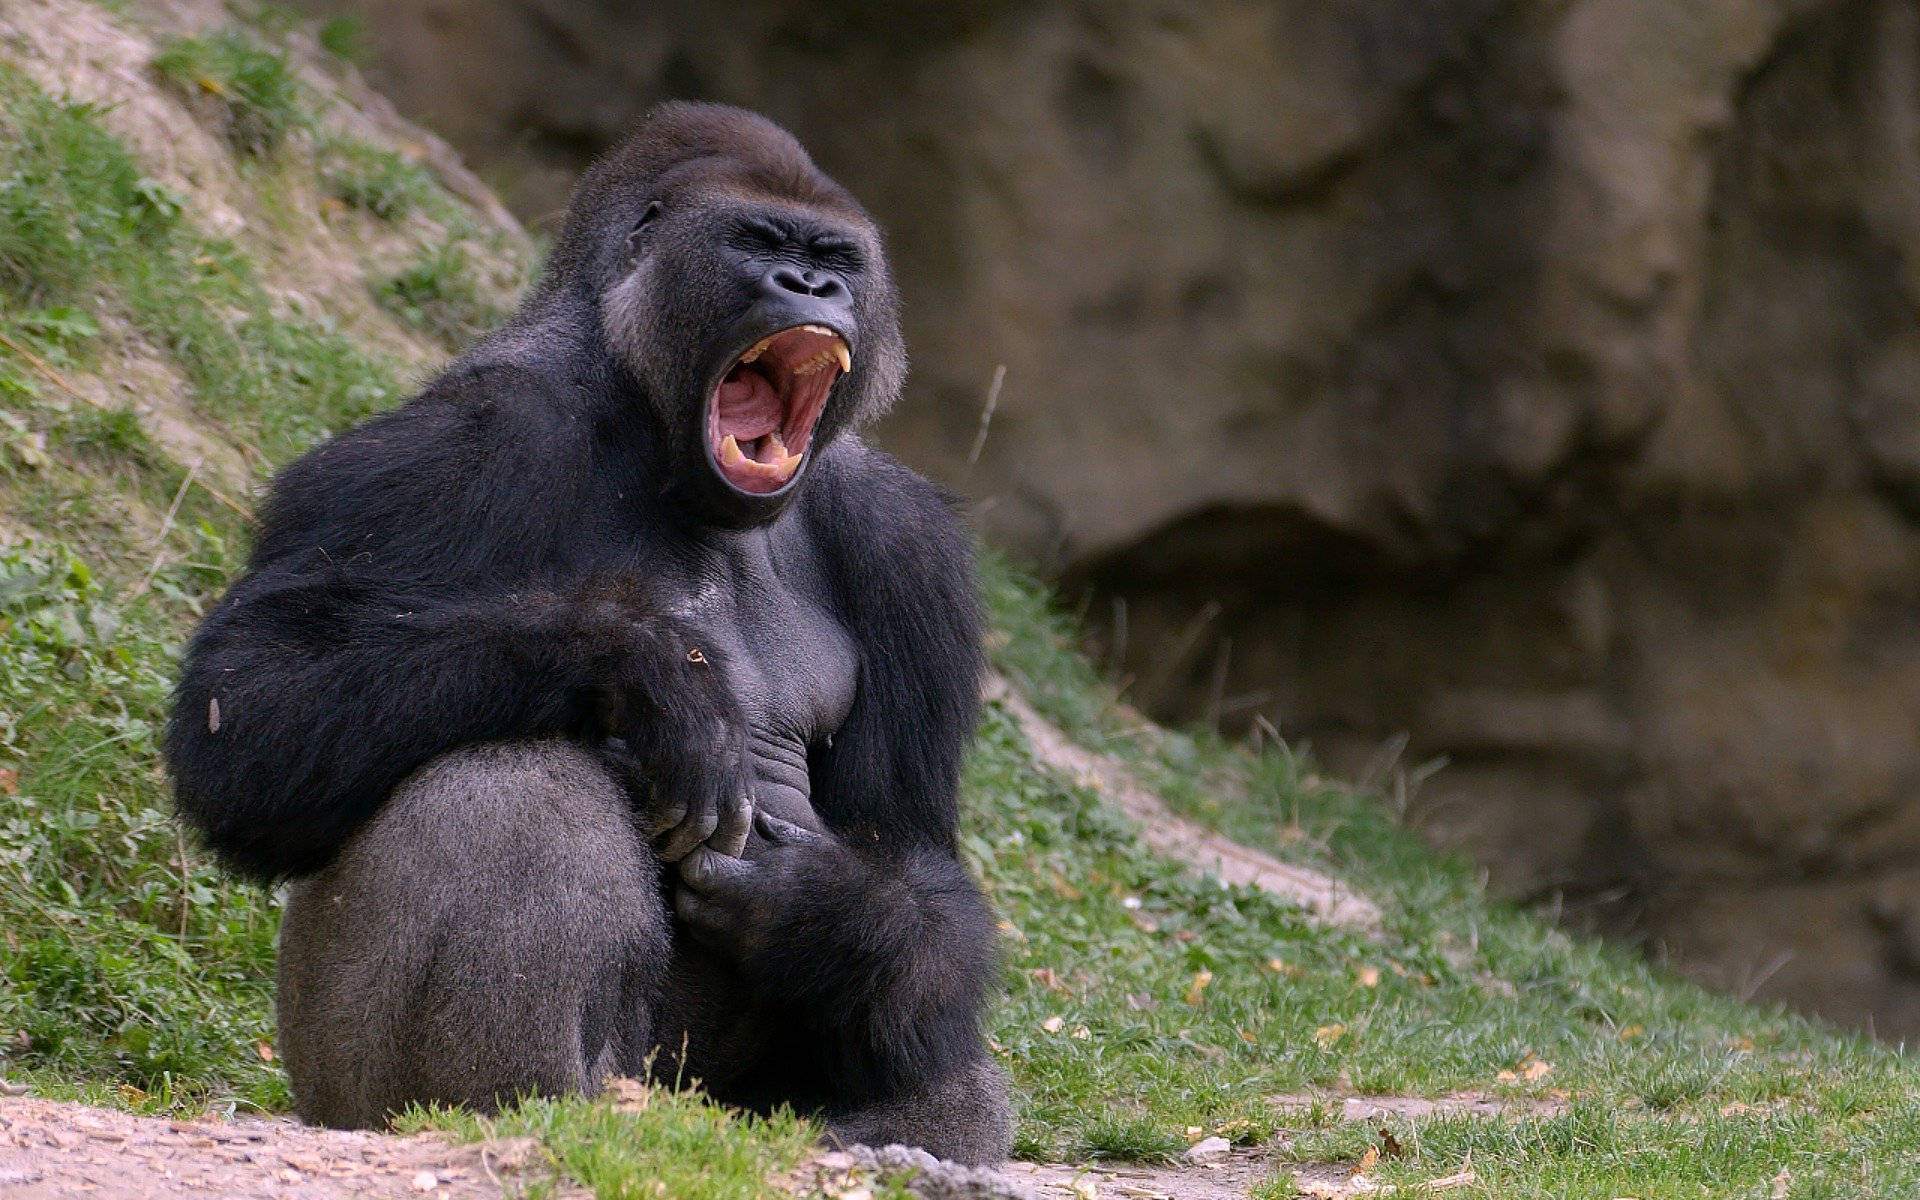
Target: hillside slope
point(214, 251)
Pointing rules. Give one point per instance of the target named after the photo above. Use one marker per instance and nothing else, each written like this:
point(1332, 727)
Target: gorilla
point(606, 702)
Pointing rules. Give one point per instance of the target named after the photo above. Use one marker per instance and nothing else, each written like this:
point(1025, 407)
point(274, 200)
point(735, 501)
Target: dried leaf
point(1054, 1024)
point(1196, 991)
point(1327, 1035)
point(1367, 1161)
point(1047, 978)
point(1532, 1068)
point(264, 1050)
point(627, 1095)
point(9, 782)
point(1367, 977)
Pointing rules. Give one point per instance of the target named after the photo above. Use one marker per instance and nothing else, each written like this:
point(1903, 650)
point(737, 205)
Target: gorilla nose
point(786, 282)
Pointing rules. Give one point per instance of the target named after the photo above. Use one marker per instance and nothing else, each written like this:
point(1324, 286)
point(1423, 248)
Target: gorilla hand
point(732, 904)
point(677, 742)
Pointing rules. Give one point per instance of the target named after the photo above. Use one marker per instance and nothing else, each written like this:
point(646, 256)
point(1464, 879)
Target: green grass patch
point(438, 295)
point(346, 37)
point(665, 1143)
point(376, 181)
point(248, 87)
point(127, 965)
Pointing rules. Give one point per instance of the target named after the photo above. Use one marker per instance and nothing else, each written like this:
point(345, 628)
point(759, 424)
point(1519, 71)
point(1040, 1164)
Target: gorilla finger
point(715, 875)
point(701, 915)
point(658, 822)
point(782, 832)
point(697, 827)
point(736, 821)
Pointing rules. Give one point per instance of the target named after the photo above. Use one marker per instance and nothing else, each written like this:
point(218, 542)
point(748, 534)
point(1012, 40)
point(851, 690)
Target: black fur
point(537, 547)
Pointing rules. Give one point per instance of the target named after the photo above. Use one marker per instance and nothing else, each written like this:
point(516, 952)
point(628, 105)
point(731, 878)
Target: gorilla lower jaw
point(761, 415)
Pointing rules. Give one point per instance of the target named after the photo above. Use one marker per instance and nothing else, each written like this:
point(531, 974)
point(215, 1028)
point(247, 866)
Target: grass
point(1143, 1007)
point(377, 181)
point(663, 1142)
point(249, 85)
point(438, 295)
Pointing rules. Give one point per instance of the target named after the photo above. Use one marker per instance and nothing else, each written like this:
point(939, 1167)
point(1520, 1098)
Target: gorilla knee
point(967, 1119)
point(496, 930)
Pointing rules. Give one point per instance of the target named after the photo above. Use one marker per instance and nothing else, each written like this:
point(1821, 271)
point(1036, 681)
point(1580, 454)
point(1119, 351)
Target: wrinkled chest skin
point(757, 599)
point(789, 662)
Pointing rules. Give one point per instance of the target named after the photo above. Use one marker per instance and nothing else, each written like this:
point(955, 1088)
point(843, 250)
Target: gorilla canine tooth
point(730, 453)
point(845, 356)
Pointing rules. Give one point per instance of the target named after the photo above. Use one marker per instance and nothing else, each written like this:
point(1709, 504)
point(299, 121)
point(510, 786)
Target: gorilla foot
point(967, 1120)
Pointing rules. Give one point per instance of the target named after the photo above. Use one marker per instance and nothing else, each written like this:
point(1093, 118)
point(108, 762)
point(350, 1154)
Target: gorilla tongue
point(772, 397)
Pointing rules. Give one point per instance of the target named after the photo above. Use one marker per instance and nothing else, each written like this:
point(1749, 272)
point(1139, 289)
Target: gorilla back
point(611, 694)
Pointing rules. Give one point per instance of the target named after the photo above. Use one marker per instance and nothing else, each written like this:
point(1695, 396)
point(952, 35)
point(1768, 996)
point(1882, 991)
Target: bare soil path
point(51, 1150)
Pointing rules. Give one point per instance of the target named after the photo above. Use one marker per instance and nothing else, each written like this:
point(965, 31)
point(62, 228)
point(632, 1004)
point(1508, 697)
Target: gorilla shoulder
point(479, 439)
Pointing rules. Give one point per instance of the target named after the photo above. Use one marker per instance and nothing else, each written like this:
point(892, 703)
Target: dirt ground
point(56, 1151)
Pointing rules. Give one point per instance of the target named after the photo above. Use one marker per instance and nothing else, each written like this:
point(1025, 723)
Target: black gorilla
point(611, 694)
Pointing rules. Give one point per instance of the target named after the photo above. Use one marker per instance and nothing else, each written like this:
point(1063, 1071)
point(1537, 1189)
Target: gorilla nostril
point(823, 285)
point(789, 280)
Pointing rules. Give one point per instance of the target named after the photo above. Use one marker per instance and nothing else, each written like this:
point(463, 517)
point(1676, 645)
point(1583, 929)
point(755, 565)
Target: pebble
point(1208, 1150)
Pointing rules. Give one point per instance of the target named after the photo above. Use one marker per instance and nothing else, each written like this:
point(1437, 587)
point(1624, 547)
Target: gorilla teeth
point(837, 353)
point(780, 469)
point(822, 361)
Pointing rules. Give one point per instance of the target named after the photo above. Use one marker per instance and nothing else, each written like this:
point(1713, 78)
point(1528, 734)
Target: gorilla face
point(751, 301)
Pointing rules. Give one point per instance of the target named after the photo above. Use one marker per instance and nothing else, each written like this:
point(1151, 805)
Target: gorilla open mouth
point(761, 416)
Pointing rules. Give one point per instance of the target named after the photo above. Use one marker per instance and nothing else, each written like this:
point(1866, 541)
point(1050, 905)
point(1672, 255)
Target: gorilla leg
point(966, 1118)
point(498, 928)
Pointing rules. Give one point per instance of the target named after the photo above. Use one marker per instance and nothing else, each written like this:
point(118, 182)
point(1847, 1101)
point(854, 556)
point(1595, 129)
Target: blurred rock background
point(1535, 379)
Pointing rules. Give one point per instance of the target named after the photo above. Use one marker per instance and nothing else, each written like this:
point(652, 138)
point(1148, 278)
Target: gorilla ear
point(649, 216)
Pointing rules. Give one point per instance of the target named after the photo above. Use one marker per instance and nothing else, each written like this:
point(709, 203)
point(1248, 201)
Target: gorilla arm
point(872, 939)
point(390, 614)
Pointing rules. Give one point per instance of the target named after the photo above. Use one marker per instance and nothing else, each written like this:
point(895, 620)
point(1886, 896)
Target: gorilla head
point(710, 228)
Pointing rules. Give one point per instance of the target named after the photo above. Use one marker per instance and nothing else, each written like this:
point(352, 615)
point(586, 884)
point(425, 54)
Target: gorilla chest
point(789, 662)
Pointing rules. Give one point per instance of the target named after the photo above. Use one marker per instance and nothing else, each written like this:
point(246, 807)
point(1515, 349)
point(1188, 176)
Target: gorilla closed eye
point(836, 253)
point(768, 237)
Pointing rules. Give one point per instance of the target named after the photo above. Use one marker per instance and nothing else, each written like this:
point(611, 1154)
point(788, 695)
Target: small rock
point(12, 1089)
point(836, 1160)
point(425, 1181)
point(1208, 1150)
